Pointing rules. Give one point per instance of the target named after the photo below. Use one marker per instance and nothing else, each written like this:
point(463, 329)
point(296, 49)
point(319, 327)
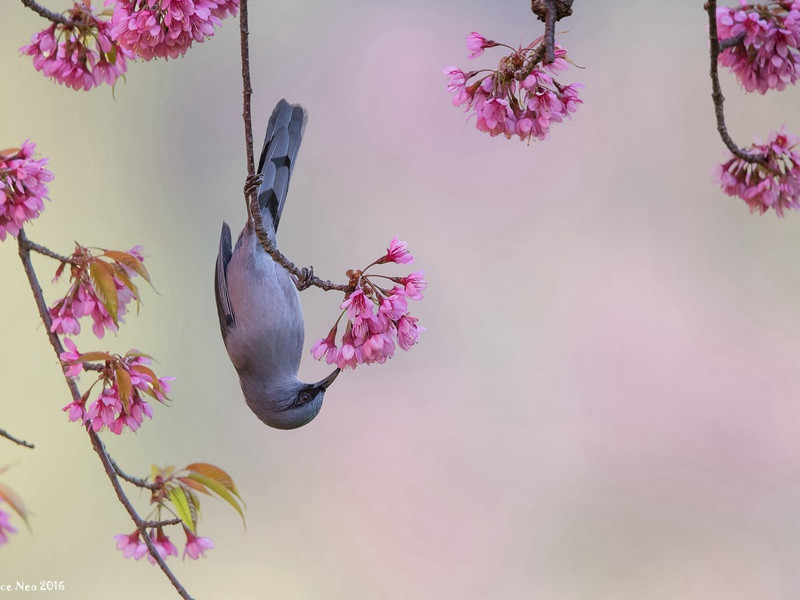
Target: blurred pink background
point(606, 403)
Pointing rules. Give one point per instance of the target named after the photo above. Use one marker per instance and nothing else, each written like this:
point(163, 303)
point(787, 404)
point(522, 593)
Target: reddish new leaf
point(129, 261)
point(214, 473)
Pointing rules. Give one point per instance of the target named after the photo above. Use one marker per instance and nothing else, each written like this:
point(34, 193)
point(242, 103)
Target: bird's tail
point(284, 133)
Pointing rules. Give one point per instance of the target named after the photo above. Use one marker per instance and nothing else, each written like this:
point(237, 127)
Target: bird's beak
point(325, 383)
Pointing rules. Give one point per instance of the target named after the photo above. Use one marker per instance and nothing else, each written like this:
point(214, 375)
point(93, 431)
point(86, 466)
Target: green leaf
point(131, 262)
point(125, 386)
point(103, 279)
point(181, 504)
point(218, 489)
point(216, 474)
point(14, 501)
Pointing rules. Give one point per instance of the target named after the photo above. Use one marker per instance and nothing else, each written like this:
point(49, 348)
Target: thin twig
point(46, 252)
point(716, 90)
point(304, 276)
point(97, 444)
point(49, 14)
point(8, 436)
point(142, 483)
point(152, 524)
point(550, 31)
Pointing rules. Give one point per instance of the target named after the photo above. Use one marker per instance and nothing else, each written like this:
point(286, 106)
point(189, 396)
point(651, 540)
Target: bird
point(260, 315)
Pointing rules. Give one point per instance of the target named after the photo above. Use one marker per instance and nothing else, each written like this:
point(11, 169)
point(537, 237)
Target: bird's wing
point(281, 144)
point(224, 308)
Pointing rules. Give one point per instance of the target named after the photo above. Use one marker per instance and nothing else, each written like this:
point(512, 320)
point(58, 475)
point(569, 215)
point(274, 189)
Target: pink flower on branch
point(23, 187)
point(767, 53)
point(125, 381)
point(476, 44)
point(131, 545)
point(521, 97)
point(196, 546)
point(775, 184)
point(80, 56)
point(163, 546)
point(166, 28)
point(101, 288)
point(377, 318)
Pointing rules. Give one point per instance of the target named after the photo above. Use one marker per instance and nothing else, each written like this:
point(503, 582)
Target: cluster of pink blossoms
point(376, 316)
point(521, 97)
point(124, 380)
point(768, 55)
point(775, 184)
point(166, 28)
point(5, 527)
point(22, 187)
point(101, 289)
point(132, 545)
point(82, 55)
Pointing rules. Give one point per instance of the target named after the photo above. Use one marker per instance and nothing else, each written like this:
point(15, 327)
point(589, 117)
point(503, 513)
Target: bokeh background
point(606, 404)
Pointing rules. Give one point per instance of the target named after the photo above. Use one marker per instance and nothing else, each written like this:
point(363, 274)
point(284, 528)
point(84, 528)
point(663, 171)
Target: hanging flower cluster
point(775, 184)
point(101, 288)
point(166, 28)
point(124, 381)
point(81, 54)
point(23, 187)
point(376, 316)
point(174, 492)
point(521, 97)
point(767, 54)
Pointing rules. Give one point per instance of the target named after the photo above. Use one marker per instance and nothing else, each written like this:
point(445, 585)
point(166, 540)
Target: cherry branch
point(142, 483)
point(304, 277)
point(8, 436)
point(551, 11)
point(97, 444)
point(46, 252)
point(550, 31)
point(49, 14)
point(716, 90)
point(152, 524)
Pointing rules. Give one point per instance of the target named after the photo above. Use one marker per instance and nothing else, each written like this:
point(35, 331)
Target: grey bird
point(257, 300)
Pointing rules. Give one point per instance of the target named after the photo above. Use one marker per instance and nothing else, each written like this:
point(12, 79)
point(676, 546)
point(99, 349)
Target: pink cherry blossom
point(326, 347)
point(163, 546)
point(80, 56)
point(521, 98)
point(5, 527)
point(130, 545)
point(476, 44)
point(413, 285)
point(166, 28)
point(196, 546)
point(23, 188)
point(374, 315)
point(775, 184)
point(110, 410)
point(397, 252)
point(72, 356)
point(768, 54)
point(82, 298)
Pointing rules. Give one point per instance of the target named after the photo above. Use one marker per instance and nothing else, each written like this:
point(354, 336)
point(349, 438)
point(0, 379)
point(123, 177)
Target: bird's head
point(292, 406)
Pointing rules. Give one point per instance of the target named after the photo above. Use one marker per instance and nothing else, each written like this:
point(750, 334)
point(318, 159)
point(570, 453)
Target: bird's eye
point(304, 397)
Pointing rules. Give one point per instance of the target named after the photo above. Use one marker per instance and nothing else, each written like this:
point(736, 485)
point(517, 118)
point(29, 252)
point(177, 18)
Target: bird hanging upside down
point(260, 315)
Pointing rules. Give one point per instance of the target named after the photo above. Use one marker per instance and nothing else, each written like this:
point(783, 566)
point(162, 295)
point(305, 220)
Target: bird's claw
point(252, 183)
point(304, 280)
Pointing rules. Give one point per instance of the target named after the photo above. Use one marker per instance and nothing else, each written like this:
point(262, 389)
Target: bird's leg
point(252, 183)
point(304, 280)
